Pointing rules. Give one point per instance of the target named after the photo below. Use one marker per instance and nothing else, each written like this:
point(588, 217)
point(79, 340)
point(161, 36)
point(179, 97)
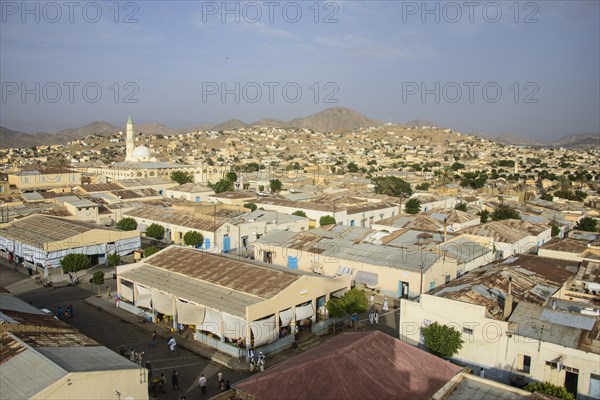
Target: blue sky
point(376, 57)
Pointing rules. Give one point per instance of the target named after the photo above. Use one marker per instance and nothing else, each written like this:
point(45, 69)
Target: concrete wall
point(489, 346)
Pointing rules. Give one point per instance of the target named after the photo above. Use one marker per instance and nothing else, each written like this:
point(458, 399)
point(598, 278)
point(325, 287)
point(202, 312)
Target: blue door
point(292, 262)
point(207, 243)
point(197, 199)
point(226, 244)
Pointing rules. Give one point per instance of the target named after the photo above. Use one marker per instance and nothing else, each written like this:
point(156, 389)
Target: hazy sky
point(529, 68)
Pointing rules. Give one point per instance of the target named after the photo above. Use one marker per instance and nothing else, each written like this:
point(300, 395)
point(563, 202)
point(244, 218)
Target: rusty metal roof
point(534, 280)
point(101, 187)
point(357, 365)
point(9, 348)
point(177, 217)
point(240, 276)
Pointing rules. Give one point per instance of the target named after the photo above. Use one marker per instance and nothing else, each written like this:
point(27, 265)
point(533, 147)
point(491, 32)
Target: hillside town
point(450, 266)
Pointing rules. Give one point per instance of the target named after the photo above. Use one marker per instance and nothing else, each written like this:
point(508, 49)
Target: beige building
point(403, 264)
point(222, 300)
point(44, 358)
point(44, 178)
point(221, 234)
point(42, 240)
point(189, 191)
point(516, 323)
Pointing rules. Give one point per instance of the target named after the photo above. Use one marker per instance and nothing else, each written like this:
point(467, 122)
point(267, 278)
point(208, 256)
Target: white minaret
point(129, 140)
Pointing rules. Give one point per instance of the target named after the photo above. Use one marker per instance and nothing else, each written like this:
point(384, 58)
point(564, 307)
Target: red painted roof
point(360, 365)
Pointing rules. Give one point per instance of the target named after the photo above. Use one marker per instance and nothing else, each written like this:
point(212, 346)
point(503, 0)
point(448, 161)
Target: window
point(351, 222)
point(524, 363)
point(447, 278)
point(431, 285)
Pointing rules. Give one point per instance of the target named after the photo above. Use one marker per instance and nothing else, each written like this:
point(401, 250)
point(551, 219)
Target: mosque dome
point(141, 152)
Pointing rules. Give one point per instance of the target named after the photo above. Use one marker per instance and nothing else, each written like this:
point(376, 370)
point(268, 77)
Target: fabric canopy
point(189, 313)
point(286, 316)
point(367, 278)
point(233, 327)
point(264, 331)
point(305, 311)
point(143, 296)
point(344, 271)
point(212, 322)
point(127, 291)
point(162, 302)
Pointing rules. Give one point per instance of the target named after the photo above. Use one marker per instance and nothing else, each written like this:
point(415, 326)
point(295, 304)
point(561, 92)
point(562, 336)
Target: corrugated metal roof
point(92, 358)
point(571, 320)
point(228, 273)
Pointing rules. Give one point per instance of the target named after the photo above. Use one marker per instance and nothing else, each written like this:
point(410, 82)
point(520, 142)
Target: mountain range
point(330, 120)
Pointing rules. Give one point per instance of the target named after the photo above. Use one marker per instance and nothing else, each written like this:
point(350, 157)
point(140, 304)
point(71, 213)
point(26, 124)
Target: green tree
point(484, 215)
point(182, 177)
point(155, 231)
point(326, 220)
point(150, 250)
point(355, 301)
point(587, 224)
point(441, 340)
point(505, 212)
point(127, 224)
point(423, 186)
point(114, 260)
point(75, 262)
point(456, 166)
point(231, 177)
point(461, 206)
point(221, 186)
point(550, 389)
point(275, 185)
point(579, 195)
point(547, 196)
point(299, 213)
point(250, 206)
point(413, 206)
point(261, 188)
point(193, 238)
point(352, 167)
point(97, 279)
point(392, 186)
point(555, 230)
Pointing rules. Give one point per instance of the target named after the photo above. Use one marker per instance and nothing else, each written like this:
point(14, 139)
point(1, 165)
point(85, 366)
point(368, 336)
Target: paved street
point(113, 332)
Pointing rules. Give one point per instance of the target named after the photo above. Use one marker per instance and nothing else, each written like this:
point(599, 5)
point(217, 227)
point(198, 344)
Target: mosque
point(139, 163)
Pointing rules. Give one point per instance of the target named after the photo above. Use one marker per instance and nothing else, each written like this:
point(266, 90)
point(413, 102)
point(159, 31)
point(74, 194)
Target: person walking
point(153, 339)
point(252, 362)
point(220, 378)
point(222, 386)
point(202, 382)
point(376, 318)
point(385, 305)
point(261, 361)
point(163, 382)
point(108, 297)
point(175, 380)
point(372, 299)
point(70, 308)
point(227, 386)
point(172, 344)
point(59, 313)
point(371, 317)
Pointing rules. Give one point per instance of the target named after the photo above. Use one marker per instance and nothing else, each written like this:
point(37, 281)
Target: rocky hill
point(577, 140)
point(10, 138)
point(334, 119)
point(229, 124)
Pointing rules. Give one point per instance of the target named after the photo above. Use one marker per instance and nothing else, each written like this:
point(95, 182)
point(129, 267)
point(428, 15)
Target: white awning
point(303, 312)
point(162, 302)
point(233, 327)
point(286, 317)
point(143, 296)
point(127, 291)
point(344, 271)
point(264, 331)
point(189, 313)
point(367, 278)
point(212, 322)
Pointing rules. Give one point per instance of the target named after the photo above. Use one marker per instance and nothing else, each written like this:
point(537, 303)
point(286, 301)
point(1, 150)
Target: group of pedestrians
point(223, 385)
point(65, 314)
point(254, 362)
point(374, 313)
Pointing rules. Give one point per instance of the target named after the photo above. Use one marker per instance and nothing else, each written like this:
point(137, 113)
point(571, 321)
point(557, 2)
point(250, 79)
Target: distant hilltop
point(336, 119)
